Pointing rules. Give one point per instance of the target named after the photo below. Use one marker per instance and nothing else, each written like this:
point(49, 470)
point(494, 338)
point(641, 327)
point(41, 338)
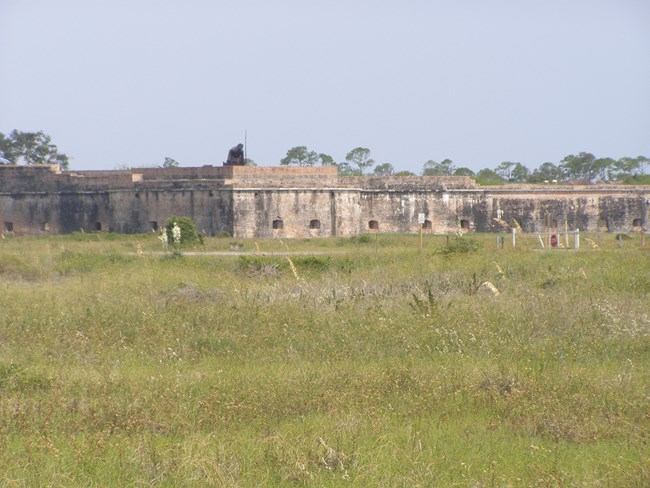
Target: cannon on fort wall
point(236, 156)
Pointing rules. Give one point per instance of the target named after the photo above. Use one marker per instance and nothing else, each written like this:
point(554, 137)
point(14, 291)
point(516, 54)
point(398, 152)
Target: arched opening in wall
point(637, 224)
point(553, 223)
point(464, 225)
point(373, 225)
point(314, 224)
point(278, 224)
point(427, 225)
point(45, 226)
point(603, 225)
point(9, 226)
point(97, 226)
point(153, 225)
point(137, 195)
point(211, 193)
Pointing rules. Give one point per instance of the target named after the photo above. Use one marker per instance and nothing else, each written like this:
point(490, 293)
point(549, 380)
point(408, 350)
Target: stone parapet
point(427, 183)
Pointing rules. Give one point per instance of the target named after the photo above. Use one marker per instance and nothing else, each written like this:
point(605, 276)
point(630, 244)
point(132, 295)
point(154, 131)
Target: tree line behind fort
point(37, 148)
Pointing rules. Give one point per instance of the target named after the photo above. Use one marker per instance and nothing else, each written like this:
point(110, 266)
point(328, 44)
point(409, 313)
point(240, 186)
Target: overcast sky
point(127, 83)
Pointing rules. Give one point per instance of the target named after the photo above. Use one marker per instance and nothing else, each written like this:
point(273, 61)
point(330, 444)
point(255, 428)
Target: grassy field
point(371, 363)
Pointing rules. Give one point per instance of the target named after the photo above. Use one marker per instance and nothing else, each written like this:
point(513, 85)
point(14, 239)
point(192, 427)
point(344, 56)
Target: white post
point(576, 239)
point(514, 239)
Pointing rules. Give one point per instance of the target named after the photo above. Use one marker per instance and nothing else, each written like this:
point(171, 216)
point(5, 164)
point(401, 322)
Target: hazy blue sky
point(477, 81)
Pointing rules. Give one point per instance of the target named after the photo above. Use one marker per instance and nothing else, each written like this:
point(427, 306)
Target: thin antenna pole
point(245, 144)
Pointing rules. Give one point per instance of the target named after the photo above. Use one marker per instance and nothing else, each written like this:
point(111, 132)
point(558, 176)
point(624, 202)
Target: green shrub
point(459, 245)
point(313, 263)
point(636, 180)
point(259, 265)
point(189, 235)
point(360, 239)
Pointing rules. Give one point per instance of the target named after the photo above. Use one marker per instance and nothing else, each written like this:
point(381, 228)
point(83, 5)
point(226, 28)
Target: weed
point(313, 263)
point(459, 245)
point(259, 265)
point(423, 301)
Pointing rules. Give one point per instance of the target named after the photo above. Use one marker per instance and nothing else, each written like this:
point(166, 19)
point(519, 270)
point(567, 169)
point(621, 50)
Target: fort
point(299, 202)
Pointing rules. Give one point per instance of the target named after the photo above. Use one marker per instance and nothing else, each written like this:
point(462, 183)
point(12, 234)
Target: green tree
point(546, 172)
point(603, 168)
point(404, 173)
point(344, 169)
point(326, 160)
point(30, 148)
point(170, 163)
point(385, 169)
point(463, 172)
point(444, 168)
point(519, 173)
point(624, 167)
point(504, 170)
point(513, 172)
point(301, 156)
point(6, 149)
point(249, 162)
point(488, 177)
point(360, 157)
point(580, 167)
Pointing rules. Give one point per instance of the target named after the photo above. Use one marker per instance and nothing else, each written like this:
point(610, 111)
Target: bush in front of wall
point(189, 235)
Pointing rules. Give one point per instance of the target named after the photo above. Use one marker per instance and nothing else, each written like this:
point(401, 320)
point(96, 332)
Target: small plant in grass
point(138, 249)
point(258, 266)
point(176, 236)
point(236, 246)
point(313, 263)
point(164, 239)
point(459, 245)
point(293, 268)
point(175, 240)
point(424, 302)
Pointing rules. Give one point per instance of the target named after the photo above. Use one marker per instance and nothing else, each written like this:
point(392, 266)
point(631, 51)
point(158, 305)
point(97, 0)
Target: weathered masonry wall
point(148, 209)
point(298, 202)
point(296, 212)
point(615, 209)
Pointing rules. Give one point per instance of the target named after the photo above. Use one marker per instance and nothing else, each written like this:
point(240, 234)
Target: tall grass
point(374, 364)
